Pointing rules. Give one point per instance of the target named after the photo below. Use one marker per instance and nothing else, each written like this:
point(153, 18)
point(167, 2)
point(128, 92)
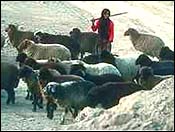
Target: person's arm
point(95, 25)
point(111, 31)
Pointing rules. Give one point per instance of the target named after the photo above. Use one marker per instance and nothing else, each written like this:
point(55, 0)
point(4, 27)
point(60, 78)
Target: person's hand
point(105, 41)
point(93, 21)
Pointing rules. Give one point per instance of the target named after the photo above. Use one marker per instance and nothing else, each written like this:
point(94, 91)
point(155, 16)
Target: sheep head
point(49, 91)
point(145, 72)
point(21, 57)
point(24, 45)
point(75, 33)
point(134, 34)
point(11, 28)
point(31, 62)
point(143, 60)
point(25, 71)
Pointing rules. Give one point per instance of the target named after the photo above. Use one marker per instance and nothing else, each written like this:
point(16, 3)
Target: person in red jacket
point(105, 29)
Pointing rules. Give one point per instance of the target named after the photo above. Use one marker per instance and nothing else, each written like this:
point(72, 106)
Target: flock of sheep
point(74, 81)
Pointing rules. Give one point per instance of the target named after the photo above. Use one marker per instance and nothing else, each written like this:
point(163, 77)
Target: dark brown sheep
point(109, 94)
point(33, 84)
point(46, 76)
point(88, 41)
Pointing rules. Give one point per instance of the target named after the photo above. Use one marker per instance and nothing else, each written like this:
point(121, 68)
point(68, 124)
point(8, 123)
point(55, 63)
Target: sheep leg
point(136, 78)
point(63, 116)
point(27, 97)
point(11, 96)
point(74, 113)
point(31, 97)
point(34, 102)
point(82, 54)
point(40, 102)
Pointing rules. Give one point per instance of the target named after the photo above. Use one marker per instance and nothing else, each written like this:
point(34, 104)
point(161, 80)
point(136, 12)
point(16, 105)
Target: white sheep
point(100, 69)
point(94, 69)
point(125, 64)
point(127, 67)
point(44, 51)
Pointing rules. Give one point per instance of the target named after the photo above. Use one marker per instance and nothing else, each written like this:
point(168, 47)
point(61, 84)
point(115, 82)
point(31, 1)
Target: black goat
point(71, 94)
point(109, 94)
point(147, 79)
point(159, 67)
point(31, 78)
point(166, 54)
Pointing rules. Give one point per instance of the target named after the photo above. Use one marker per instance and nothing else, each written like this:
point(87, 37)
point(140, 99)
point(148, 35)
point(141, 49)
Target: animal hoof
point(34, 110)
point(8, 102)
point(61, 121)
point(31, 98)
point(40, 106)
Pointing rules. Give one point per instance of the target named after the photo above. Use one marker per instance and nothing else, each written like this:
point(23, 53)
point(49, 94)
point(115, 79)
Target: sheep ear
point(70, 32)
point(53, 89)
point(36, 32)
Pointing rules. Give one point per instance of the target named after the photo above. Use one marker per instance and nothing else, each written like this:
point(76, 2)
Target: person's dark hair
point(104, 11)
point(104, 24)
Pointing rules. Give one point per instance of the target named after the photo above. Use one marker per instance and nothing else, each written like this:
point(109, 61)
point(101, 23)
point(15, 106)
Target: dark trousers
point(104, 45)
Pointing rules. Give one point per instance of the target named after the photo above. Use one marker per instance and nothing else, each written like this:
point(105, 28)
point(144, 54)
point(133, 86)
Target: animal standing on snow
point(9, 80)
point(146, 43)
point(44, 51)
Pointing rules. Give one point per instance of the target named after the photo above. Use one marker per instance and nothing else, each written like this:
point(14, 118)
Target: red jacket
point(110, 31)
